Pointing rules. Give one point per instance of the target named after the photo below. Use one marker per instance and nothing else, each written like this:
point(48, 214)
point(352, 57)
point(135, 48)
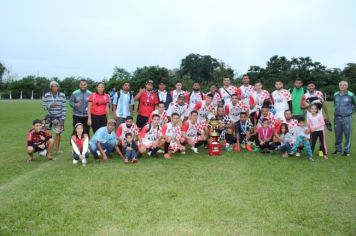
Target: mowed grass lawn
point(233, 194)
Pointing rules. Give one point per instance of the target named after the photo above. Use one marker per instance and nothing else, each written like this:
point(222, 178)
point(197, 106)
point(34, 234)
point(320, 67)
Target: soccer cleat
point(84, 162)
point(326, 157)
point(248, 147)
point(75, 161)
point(149, 153)
point(345, 154)
point(237, 148)
point(227, 147)
point(321, 154)
point(337, 152)
point(183, 152)
point(195, 150)
point(160, 151)
point(310, 159)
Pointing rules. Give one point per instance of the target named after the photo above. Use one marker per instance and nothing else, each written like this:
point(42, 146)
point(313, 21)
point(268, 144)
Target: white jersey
point(194, 98)
point(205, 112)
point(233, 111)
point(246, 92)
point(281, 99)
point(150, 134)
point(258, 99)
point(226, 93)
point(175, 94)
point(174, 107)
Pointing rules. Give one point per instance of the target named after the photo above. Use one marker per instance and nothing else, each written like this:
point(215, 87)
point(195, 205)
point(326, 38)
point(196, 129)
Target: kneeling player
point(39, 140)
point(193, 131)
point(149, 137)
point(172, 136)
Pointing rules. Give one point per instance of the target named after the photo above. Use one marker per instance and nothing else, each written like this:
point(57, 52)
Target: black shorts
point(141, 121)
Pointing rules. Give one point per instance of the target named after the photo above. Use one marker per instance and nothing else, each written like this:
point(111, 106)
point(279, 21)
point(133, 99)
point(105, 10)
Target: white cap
point(53, 83)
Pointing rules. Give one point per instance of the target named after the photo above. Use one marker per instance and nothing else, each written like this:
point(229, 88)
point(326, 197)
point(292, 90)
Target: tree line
point(194, 68)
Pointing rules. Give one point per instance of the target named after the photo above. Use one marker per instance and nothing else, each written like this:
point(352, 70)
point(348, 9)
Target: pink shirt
point(265, 134)
point(315, 123)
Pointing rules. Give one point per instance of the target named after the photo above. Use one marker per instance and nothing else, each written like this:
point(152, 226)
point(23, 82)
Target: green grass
point(234, 194)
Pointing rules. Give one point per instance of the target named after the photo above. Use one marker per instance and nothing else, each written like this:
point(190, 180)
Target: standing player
point(195, 96)
point(178, 91)
point(227, 90)
point(282, 100)
point(259, 97)
point(245, 91)
point(216, 95)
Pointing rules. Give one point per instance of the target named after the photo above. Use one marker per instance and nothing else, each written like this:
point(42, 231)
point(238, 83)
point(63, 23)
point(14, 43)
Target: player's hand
point(89, 122)
point(105, 158)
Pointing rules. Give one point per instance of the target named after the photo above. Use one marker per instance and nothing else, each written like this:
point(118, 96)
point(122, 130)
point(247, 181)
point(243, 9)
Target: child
point(316, 124)
point(130, 149)
point(39, 140)
point(244, 131)
point(265, 135)
point(302, 134)
point(286, 139)
point(80, 144)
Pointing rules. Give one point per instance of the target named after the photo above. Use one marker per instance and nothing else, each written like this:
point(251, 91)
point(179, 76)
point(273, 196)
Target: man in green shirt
point(297, 93)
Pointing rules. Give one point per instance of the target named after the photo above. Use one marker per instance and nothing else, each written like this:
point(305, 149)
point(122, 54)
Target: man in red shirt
point(39, 140)
point(147, 102)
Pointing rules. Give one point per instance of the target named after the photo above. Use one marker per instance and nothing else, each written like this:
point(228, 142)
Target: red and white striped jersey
point(270, 118)
point(162, 117)
point(193, 98)
point(191, 129)
point(174, 107)
point(122, 130)
point(205, 112)
point(149, 133)
point(258, 98)
point(292, 124)
point(245, 93)
point(280, 100)
point(216, 98)
point(226, 93)
point(169, 130)
point(175, 94)
point(233, 111)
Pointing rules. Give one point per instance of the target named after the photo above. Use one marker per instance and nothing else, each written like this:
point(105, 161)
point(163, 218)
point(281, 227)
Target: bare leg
point(50, 147)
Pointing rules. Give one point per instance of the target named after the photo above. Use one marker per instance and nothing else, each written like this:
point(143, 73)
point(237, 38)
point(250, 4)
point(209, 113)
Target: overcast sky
point(88, 38)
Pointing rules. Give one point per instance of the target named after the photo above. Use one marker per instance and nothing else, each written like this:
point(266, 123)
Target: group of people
point(167, 122)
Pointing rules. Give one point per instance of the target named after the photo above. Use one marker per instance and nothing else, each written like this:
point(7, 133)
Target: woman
point(98, 107)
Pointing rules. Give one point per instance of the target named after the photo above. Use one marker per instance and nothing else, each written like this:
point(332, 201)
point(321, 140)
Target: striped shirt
point(55, 105)
point(123, 102)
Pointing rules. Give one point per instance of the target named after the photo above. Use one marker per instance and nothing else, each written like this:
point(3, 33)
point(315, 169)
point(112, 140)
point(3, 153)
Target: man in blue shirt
point(123, 103)
point(345, 106)
point(104, 142)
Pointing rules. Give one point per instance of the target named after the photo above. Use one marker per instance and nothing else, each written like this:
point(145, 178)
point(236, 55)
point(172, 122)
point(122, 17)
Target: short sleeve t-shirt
point(99, 103)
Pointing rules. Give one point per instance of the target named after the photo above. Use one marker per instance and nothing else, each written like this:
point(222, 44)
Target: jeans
point(129, 154)
point(306, 143)
point(76, 156)
point(108, 147)
point(285, 148)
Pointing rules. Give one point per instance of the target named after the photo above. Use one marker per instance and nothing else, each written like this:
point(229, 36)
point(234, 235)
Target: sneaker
point(167, 156)
point(134, 160)
point(160, 151)
point(149, 153)
point(183, 152)
point(326, 157)
point(345, 154)
point(337, 152)
point(310, 159)
point(248, 147)
point(237, 148)
point(126, 161)
point(256, 149)
point(228, 147)
point(84, 162)
point(321, 154)
point(75, 161)
point(98, 152)
point(297, 154)
point(195, 150)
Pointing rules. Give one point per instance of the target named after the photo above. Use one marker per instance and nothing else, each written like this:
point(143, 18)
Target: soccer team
point(250, 118)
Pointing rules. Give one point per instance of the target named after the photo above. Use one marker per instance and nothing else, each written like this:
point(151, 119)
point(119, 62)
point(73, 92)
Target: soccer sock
point(166, 146)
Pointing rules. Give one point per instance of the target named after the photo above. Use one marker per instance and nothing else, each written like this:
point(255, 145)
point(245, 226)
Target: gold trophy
point(214, 146)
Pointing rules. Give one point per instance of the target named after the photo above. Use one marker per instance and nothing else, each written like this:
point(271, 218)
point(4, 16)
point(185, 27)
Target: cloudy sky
point(88, 38)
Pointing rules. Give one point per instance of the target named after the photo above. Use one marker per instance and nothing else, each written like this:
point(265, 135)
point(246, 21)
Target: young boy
point(130, 149)
point(302, 134)
point(244, 130)
point(128, 127)
point(39, 140)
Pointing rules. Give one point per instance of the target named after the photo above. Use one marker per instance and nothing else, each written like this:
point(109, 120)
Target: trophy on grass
point(214, 146)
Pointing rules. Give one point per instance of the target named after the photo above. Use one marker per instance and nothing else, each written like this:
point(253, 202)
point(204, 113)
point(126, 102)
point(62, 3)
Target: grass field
point(234, 194)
